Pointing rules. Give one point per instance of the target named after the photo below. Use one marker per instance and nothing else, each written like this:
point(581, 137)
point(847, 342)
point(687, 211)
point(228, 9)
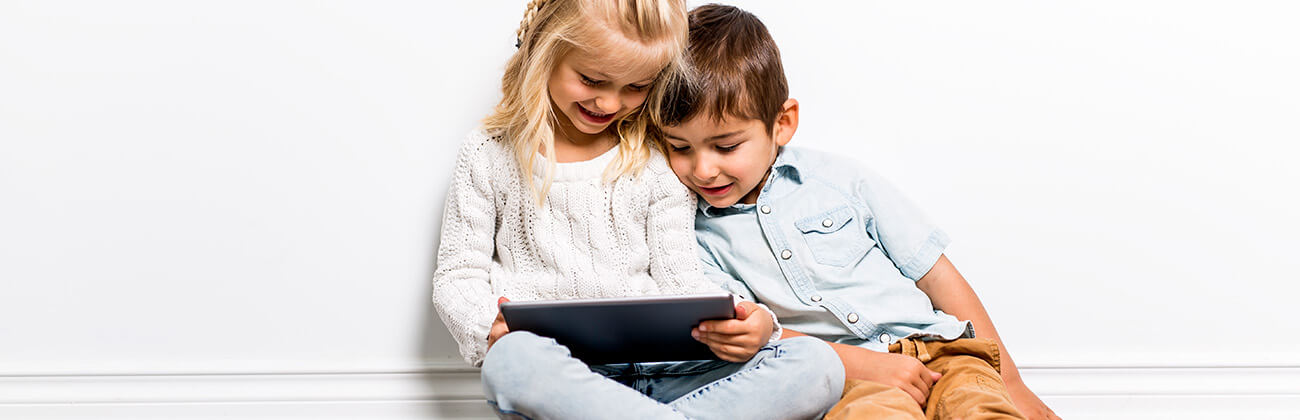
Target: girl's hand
point(498, 326)
point(904, 372)
point(737, 340)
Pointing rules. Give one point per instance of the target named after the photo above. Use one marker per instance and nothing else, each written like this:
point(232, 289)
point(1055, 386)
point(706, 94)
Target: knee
point(816, 354)
point(816, 359)
point(513, 359)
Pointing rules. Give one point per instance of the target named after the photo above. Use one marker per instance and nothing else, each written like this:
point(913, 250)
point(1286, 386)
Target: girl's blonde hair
point(553, 28)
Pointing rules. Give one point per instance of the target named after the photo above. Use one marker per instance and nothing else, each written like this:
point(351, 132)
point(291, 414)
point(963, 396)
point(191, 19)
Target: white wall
point(237, 203)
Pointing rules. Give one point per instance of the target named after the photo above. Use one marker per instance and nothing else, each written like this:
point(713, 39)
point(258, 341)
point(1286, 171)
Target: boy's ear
point(786, 122)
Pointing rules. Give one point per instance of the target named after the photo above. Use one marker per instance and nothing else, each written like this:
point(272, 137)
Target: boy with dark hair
point(835, 251)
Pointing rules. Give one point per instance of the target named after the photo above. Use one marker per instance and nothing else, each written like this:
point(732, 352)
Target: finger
point(746, 342)
point(929, 377)
point(710, 337)
point(916, 394)
point(742, 311)
point(502, 300)
point(920, 385)
point(728, 327)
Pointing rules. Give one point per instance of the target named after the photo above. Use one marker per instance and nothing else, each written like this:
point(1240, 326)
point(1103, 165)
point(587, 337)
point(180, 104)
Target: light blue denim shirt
point(833, 249)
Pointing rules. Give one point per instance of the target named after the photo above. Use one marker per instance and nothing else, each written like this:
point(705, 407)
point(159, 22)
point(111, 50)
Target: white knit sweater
point(633, 236)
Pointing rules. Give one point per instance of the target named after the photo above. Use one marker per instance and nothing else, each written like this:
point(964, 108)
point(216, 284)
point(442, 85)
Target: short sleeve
point(901, 229)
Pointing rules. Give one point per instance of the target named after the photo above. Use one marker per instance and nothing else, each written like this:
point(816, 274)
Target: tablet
point(623, 330)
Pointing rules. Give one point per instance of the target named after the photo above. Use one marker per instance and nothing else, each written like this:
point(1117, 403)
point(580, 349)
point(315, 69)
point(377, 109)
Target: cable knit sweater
point(633, 236)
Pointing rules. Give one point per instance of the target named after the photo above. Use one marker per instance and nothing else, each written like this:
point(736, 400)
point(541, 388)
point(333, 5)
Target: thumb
point(743, 312)
point(935, 375)
point(502, 300)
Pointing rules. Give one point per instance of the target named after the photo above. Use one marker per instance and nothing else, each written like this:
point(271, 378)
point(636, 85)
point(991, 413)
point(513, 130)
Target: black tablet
point(623, 330)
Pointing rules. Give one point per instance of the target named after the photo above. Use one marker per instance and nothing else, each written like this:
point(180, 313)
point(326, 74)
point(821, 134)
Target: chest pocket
point(835, 237)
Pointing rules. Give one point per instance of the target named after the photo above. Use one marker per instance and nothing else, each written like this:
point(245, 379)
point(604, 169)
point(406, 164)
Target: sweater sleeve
point(670, 231)
point(462, 292)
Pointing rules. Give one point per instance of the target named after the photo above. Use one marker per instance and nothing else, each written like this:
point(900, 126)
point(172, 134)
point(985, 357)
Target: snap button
point(885, 338)
point(853, 318)
point(828, 223)
point(816, 298)
point(765, 209)
point(785, 254)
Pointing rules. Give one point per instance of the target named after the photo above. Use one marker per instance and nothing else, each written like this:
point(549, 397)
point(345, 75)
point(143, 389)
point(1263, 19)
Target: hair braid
point(529, 14)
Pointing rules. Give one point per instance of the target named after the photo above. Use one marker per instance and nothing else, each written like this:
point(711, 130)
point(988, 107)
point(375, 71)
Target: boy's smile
point(726, 162)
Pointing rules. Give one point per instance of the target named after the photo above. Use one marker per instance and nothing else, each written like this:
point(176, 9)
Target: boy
point(832, 249)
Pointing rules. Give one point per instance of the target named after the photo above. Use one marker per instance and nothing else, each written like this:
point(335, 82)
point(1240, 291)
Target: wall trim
point(453, 390)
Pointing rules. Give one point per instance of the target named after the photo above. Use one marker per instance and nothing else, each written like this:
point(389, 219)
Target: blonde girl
point(561, 195)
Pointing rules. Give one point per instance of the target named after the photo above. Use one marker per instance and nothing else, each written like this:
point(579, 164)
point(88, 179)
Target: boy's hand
point(498, 326)
point(904, 372)
point(1028, 403)
point(737, 340)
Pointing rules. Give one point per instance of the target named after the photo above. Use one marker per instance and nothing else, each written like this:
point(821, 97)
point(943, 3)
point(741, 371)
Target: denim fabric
point(833, 250)
point(533, 377)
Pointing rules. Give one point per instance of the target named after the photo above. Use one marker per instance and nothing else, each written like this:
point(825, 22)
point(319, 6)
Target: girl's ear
point(786, 122)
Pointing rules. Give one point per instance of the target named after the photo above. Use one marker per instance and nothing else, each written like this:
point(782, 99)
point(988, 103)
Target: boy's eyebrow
point(723, 136)
point(711, 138)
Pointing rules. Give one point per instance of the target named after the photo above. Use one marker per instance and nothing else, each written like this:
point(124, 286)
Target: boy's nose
point(705, 169)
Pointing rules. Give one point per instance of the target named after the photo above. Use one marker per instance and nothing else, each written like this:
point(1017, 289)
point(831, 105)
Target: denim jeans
point(532, 377)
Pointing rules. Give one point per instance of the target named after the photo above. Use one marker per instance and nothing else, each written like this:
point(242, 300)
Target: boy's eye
point(589, 81)
point(728, 148)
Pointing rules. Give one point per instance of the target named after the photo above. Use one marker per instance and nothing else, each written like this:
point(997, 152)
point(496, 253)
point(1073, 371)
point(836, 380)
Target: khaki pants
point(971, 387)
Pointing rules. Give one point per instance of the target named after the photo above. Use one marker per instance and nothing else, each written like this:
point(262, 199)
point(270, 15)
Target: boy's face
point(727, 162)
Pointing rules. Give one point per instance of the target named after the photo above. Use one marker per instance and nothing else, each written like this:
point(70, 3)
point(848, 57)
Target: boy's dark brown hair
point(734, 69)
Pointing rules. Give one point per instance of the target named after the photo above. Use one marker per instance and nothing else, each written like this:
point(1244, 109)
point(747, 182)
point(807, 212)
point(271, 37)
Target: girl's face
point(594, 90)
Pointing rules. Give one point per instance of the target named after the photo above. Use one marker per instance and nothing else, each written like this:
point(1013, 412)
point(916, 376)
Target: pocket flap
point(827, 222)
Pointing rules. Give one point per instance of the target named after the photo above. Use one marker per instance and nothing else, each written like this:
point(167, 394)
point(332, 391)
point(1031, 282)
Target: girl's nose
point(607, 103)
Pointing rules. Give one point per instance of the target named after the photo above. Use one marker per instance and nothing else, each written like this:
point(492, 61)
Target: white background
point(250, 186)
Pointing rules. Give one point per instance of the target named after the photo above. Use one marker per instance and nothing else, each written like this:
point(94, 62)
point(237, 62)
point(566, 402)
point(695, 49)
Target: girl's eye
point(636, 88)
point(589, 81)
point(678, 149)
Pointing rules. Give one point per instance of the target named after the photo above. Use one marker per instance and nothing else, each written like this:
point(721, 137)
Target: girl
point(561, 195)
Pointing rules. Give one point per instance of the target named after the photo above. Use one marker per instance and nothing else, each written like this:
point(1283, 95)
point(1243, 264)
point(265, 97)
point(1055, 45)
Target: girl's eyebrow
point(604, 76)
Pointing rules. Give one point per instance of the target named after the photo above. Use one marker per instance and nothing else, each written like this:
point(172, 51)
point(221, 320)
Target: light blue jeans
point(531, 377)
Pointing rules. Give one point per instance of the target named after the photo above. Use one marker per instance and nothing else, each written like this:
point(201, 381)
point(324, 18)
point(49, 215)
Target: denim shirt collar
point(786, 167)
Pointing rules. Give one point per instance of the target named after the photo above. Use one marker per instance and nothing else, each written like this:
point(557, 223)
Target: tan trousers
point(971, 387)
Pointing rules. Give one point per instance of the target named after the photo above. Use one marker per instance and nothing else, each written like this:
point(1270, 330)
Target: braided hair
point(549, 31)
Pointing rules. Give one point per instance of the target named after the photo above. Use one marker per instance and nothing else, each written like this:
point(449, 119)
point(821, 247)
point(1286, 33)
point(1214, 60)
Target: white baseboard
point(454, 392)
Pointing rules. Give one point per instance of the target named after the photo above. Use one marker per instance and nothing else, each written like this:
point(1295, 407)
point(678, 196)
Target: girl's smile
point(595, 117)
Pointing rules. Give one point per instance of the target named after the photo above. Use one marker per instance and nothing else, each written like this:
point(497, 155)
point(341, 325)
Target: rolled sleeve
point(899, 226)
